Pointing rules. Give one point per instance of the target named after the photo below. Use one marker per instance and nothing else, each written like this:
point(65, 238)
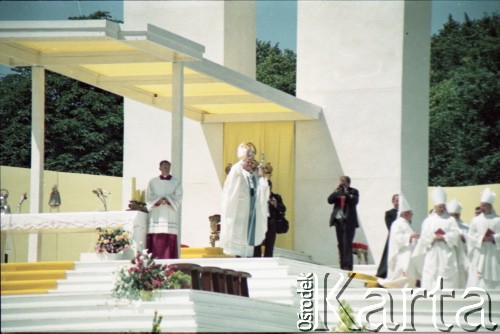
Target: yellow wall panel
point(276, 141)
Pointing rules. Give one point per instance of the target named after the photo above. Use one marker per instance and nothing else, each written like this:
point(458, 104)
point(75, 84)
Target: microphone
point(23, 198)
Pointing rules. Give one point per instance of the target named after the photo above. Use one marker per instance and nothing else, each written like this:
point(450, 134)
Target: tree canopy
point(83, 125)
point(275, 67)
point(464, 103)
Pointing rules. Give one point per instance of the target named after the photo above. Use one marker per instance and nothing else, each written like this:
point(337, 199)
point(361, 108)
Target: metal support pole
point(178, 132)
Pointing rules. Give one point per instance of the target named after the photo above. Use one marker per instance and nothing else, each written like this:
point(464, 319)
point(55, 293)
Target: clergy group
point(446, 252)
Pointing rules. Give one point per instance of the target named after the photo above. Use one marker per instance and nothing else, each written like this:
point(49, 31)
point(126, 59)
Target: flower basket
point(138, 280)
point(112, 240)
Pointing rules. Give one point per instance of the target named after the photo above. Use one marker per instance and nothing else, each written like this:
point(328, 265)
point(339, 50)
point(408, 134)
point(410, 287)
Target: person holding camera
point(345, 219)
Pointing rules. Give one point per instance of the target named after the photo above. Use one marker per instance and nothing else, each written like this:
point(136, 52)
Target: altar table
point(135, 222)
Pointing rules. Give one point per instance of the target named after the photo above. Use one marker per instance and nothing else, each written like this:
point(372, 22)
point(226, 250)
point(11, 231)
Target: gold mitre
point(268, 170)
point(246, 150)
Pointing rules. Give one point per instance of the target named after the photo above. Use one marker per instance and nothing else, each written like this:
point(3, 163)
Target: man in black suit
point(277, 211)
point(390, 217)
point(345, 219)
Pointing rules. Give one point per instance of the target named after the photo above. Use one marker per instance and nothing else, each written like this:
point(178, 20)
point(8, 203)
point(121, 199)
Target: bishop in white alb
point(484, 246)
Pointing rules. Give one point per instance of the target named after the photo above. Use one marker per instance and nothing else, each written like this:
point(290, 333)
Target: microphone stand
point(23, 198)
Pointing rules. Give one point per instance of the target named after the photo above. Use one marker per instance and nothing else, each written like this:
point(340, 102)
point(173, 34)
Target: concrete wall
point(357, 60)
point(227, 30)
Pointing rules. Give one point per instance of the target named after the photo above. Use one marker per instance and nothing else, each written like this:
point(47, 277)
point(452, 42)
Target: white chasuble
point(484, 257)
point(163, 218)
point(400, 249)
point(244, 211)
point(439, 258)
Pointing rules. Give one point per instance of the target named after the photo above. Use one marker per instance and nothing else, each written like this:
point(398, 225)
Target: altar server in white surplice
point(244, 205)
point(438, 246)
point(402, 241)
point(484, 245)
point(454, 209)
point(164, 196)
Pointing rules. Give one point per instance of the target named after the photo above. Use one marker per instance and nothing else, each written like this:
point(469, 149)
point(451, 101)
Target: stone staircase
point(29, 278)
point(81, 302)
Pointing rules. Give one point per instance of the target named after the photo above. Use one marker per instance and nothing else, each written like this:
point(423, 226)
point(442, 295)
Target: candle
point(143, 197)
point(132, 195)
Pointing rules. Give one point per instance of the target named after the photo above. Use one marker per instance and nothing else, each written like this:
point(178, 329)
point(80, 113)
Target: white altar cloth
point(133, 221)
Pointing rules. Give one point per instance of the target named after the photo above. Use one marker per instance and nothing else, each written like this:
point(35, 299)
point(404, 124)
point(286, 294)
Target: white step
point(82, 301)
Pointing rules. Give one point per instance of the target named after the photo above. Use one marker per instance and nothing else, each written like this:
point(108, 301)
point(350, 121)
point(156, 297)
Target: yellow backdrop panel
point(276, 141)
point(76, 196)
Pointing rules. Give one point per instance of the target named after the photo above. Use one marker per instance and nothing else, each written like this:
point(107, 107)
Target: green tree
point(464, 103)
point(83, 125)
point(275, 67)
point(15, 114)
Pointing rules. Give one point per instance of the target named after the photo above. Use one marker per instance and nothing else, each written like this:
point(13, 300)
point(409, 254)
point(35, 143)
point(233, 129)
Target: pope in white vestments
point(164, 196)
point(438, 246)
point(402, 241)
point(484, 245)
point(244, 209)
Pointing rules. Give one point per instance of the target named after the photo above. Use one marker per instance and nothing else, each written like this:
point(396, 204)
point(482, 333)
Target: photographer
point(345, 219)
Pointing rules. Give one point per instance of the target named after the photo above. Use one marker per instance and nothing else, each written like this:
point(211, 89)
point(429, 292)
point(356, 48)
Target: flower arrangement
point(145, 275)
point(112, 240)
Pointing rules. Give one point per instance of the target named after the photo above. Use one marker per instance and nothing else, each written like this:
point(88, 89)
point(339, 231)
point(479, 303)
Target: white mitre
point(403, 204)
point(454, 206)
point(488, 196)
point(438, 196)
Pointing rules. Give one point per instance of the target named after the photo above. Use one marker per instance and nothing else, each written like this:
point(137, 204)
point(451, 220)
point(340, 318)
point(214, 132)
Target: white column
point(367, 64)
point(177, 130)
point(37, 152)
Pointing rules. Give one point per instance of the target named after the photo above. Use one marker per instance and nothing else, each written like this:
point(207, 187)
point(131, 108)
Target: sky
point(276, 19)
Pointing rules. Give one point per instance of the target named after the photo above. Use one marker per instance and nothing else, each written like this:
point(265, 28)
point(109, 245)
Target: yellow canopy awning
point(138, 65)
